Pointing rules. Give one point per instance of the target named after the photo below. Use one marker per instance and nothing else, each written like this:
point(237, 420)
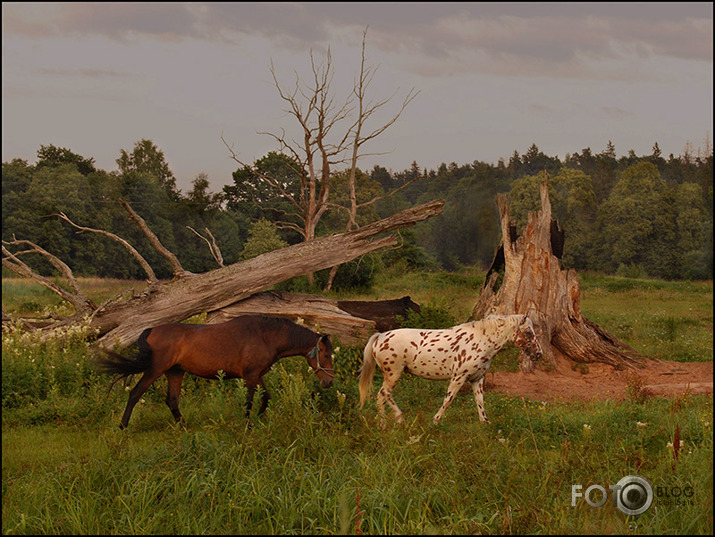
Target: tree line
point(634, 215)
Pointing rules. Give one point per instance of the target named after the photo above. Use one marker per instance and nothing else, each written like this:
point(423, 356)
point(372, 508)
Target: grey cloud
point(615, 112)
point(89, 73)
point(548, 33)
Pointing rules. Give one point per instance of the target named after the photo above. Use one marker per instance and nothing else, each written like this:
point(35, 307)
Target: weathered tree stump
point(533, 283)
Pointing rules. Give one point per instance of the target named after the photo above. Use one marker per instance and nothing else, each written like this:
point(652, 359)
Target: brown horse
point(245, 347)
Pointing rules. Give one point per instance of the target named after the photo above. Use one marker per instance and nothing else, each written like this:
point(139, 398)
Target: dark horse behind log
point(245, 347)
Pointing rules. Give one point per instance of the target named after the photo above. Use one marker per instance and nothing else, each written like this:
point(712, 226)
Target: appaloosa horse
point(461, 353)
point(245, 347)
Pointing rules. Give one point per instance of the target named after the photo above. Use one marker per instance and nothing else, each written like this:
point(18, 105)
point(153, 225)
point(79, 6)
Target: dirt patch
point(600, 381)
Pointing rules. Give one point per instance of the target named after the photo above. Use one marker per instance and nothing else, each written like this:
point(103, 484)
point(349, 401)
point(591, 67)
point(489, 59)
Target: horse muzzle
point(326, 382)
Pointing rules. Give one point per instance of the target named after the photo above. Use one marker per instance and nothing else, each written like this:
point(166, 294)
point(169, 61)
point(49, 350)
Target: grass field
point(315, 463)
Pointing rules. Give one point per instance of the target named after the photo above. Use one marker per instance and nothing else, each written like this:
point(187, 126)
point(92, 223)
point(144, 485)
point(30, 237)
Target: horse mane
point(298, 334)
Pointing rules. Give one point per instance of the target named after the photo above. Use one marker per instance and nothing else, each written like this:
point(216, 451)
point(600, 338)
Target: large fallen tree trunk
point(350, 321)
point(121, 323)
point(534, 284)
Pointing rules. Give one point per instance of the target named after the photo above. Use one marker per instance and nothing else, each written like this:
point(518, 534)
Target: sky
point(493, 78)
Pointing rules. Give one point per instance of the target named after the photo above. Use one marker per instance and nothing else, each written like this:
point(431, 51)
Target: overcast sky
point(493, 78)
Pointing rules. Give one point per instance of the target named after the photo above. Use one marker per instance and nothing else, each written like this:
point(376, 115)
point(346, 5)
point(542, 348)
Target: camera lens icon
point(633, 495)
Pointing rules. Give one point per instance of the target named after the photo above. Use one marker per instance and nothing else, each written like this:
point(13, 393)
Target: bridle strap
point(315, 353)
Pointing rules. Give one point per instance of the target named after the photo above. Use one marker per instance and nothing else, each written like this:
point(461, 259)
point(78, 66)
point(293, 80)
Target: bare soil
point(575, 381)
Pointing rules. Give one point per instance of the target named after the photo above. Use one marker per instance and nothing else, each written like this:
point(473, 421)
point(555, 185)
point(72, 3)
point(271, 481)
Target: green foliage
point(50, 155)
point(432, 316)
point(147, 159)
point(642, 211)
point(631, 270)
point(315, 463)
point(262, 238)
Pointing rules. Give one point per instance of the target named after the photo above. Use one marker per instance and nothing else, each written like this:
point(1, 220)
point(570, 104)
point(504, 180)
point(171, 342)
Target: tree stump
point(525, 278)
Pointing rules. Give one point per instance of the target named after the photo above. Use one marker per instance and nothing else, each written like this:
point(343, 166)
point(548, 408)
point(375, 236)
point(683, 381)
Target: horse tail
point(116, 364)
point(368, 369)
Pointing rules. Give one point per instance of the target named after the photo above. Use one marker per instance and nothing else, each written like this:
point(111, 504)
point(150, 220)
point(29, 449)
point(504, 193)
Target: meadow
point(315, 463)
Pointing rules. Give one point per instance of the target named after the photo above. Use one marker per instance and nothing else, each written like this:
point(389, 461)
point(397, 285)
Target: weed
point(637, 390)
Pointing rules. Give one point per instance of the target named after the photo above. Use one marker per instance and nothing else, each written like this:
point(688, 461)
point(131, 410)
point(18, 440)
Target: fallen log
point(121, 323)
point(350, 321)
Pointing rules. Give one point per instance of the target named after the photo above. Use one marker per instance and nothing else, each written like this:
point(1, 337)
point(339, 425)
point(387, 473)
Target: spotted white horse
point(461, 353)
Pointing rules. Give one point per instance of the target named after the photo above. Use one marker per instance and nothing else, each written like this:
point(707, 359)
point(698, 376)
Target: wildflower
point(502, 440)
point(586, 427)
point(640, 424)
point(341, 399)
point(706, 424)
point(414, 439)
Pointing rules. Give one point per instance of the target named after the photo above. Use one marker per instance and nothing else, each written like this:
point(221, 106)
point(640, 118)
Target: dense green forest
point(634, 215)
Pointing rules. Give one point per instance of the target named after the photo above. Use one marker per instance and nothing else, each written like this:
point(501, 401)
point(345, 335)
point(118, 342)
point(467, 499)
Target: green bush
point(433, 315)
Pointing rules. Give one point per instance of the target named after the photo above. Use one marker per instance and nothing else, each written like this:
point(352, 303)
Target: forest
point(637, 216)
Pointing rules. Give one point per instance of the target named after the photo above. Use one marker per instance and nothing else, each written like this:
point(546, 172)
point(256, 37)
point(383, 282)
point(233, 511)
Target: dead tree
point(120, 322)
point(525, 277)
point(328, 134)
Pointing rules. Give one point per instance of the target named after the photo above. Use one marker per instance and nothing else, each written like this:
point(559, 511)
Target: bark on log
point(351, 321)
point(534, 284)
point(121, 323)
point(320, 314)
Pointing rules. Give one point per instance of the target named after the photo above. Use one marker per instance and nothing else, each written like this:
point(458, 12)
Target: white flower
point(502, 440)
point(586, 427)
point(341, 398)
point(640, 424)
point(414, 439)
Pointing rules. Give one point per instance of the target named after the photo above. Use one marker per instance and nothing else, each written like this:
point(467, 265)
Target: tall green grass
point(315, 463)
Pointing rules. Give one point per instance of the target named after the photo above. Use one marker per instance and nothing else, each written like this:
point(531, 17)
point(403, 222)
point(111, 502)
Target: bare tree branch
point(179, 271)
point(80, 302)
point(147, 268)
point(213, 247)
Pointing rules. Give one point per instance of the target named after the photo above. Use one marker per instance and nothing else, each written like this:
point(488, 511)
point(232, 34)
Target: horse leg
point(385, 395)
point(477, 388)
point(174, 379)
point(142, 386)
point(264, 397)
point(454, 385)
point(251, 387)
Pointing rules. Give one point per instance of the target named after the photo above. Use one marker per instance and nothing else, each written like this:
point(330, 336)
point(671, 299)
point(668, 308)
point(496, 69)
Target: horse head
point(320, 358)
point(526, 339)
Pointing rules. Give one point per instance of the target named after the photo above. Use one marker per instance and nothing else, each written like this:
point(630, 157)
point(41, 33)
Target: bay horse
point(245, 347)
point(461, 354)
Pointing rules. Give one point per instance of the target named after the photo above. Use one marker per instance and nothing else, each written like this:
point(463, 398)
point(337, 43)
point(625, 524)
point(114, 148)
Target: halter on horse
point(245, 347)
